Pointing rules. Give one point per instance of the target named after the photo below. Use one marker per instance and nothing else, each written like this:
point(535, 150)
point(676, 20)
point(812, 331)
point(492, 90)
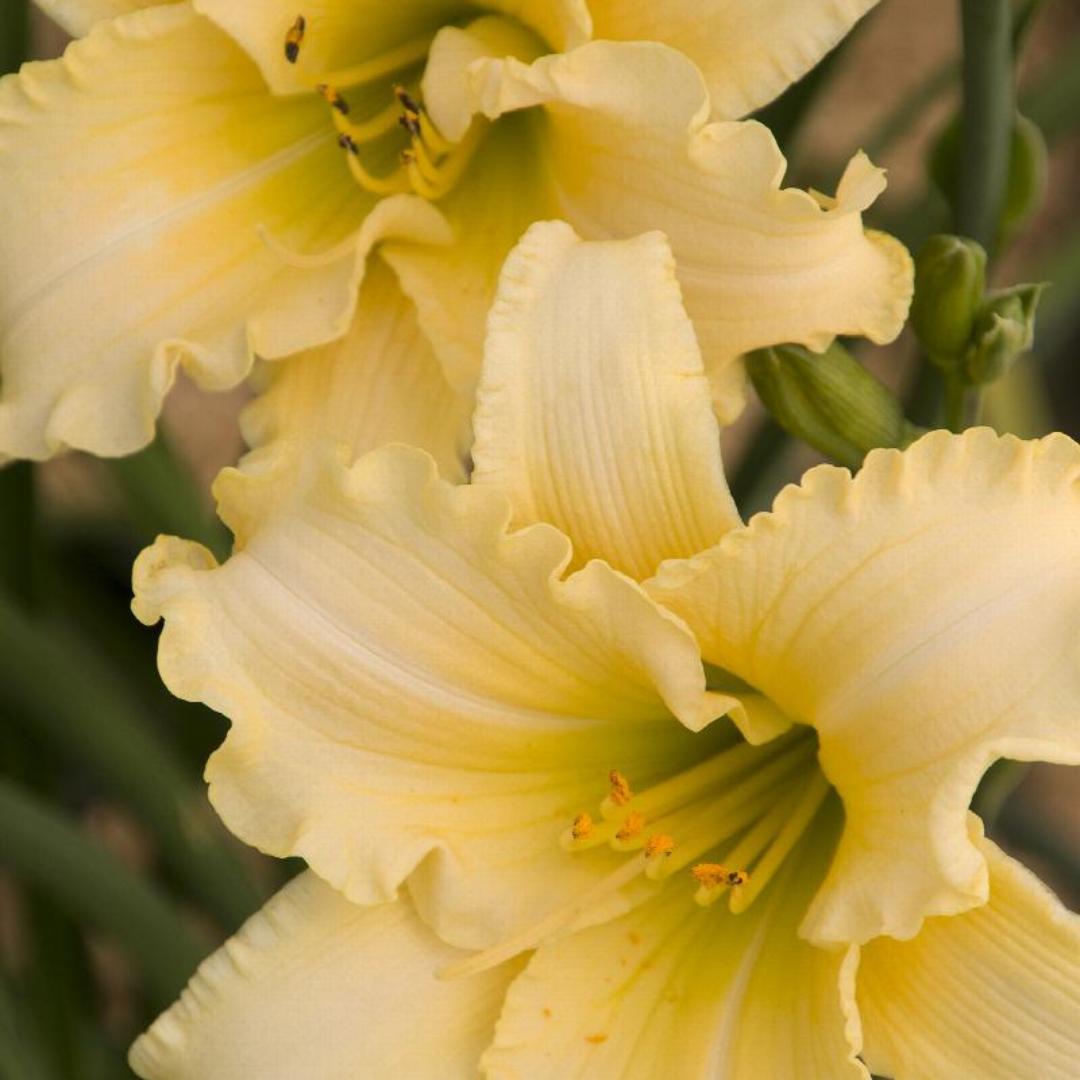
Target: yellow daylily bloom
point(426, 706)
point(200, 182)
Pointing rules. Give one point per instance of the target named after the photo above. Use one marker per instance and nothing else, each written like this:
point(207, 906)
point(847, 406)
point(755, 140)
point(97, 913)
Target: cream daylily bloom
point(201, 182)
point(426, 706)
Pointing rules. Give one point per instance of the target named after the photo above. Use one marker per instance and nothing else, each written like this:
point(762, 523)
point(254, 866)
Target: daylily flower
point(474, 750)
point(196, 183)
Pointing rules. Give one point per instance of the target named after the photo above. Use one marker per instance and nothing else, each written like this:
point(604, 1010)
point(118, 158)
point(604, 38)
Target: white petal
point(409, 685)
point(925, 618)
point(993, 994)
point(77, 16)
point(316, 988)
point(593, 410)
point(143, 172)
point(630, 151)
point(380, 383)
point(748, 53)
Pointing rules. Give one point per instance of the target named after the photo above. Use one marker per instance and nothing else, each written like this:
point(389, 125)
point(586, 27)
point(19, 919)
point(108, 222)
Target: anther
point(407, 102)
point(333, 98)
point(346, 142)
point(620, 793)
point(631, 827)
point(659, 846)
point(583, 827)
point(715, 876)
point(410, 121)
point(293, 37)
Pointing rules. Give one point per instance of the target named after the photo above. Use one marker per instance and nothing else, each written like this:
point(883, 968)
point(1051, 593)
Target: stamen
point(659, 846)
point(362, 131)
point(293, 36)
point(385, 64)
point(583, 827)
point(620, 793)
point(716, 876)
point(408, 103)
point(548, 927)
point(333, 98)
point(793, 828)
point(631, 828)
point(392, 184)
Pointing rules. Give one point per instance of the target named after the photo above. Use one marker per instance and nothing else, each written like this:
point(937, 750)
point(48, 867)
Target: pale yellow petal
point(925, 618)
point(150, 184)
point(504, 190)
point(408, 684)
point(77, 16)
point(380, 383)
point(630, 151)
point(339, 34)
point(316, 988)
point(593, 410)
point(749, 53)
point(993, 994)
point(676, 990)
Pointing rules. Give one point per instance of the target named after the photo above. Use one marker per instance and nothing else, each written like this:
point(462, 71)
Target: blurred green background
point(115, 876)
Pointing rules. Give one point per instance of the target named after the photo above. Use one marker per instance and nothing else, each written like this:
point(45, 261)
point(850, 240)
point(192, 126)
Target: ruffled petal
point(925, 618)
point(593, 411)
point(409, 685)
point(993, 994)
point(381, 383)
point(748, 53)
point(151, 181)
point(341, 33)
point(673, 989)
point(316, 988)
point(77, 16)
point(630, 151)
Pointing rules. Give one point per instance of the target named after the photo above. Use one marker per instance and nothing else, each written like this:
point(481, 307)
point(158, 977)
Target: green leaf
point(88, 715)
point(38, 846)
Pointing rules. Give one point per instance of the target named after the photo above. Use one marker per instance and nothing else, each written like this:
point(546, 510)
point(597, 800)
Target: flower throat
point(395, 148)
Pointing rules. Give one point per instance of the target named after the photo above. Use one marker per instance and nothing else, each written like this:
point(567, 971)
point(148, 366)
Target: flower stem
point(986, 137)
point(989, 104)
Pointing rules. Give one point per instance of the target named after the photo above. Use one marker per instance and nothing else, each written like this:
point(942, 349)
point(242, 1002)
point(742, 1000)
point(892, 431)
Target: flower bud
point(1028, 176)
point(950, 277)
point(829, 401)
point(1004, 331)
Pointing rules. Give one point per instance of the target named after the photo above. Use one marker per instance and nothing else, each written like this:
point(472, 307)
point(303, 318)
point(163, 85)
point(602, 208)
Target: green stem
point(38, 846)
point(955, 404)
point(989, 106)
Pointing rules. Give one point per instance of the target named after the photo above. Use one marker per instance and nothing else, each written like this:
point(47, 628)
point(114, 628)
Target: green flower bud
point(1027, 178)
point(1028, 175)
point(1004, 331)
point(950, 277)
point(829, 401)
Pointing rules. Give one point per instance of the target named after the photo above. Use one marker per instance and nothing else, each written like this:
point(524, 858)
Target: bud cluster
point(971, 335)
